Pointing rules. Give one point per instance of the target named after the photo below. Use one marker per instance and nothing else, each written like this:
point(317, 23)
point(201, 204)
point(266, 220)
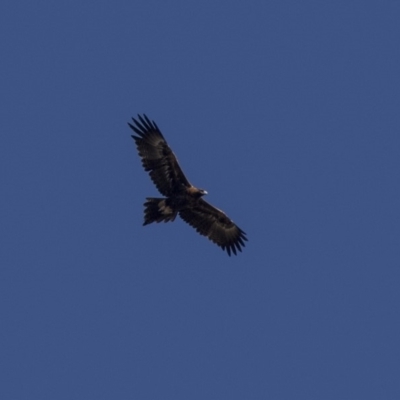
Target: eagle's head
point(203, 192)
point(195, 192)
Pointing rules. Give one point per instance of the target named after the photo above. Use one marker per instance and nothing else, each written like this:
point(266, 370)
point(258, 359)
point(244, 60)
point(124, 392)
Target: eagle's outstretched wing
point(213, 223)
point(157, 157)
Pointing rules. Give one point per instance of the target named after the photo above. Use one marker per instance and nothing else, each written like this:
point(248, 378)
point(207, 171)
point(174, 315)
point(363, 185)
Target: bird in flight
point(181, 197)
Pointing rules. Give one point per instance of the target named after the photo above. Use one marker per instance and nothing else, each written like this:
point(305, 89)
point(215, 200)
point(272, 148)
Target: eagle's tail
point(157, 210)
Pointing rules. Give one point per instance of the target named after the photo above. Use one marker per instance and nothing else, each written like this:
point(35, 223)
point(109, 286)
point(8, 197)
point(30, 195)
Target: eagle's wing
point(213, 223)
point(157, 157)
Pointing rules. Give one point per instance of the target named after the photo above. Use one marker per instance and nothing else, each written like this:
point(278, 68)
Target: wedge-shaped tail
point(157, 210)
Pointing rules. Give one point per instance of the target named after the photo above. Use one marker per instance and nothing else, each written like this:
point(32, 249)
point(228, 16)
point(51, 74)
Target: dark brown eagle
point(180, 196)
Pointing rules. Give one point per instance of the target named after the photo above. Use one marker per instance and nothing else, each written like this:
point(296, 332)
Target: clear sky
point(287, 113)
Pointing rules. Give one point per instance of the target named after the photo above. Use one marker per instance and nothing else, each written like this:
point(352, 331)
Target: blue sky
point(287, 113)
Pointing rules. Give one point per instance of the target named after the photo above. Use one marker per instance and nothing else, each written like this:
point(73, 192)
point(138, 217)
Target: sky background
point(287, 113)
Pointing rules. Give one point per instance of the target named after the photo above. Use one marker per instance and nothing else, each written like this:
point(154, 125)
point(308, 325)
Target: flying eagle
point(180, 196)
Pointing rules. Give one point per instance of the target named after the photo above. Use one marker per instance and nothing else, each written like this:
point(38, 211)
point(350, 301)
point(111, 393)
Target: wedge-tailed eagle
point(181, 198)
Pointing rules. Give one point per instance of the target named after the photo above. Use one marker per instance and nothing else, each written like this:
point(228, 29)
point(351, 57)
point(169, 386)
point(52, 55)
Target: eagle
point(181, 197)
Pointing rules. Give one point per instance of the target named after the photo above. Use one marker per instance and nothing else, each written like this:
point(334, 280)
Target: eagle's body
point(181, 198)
